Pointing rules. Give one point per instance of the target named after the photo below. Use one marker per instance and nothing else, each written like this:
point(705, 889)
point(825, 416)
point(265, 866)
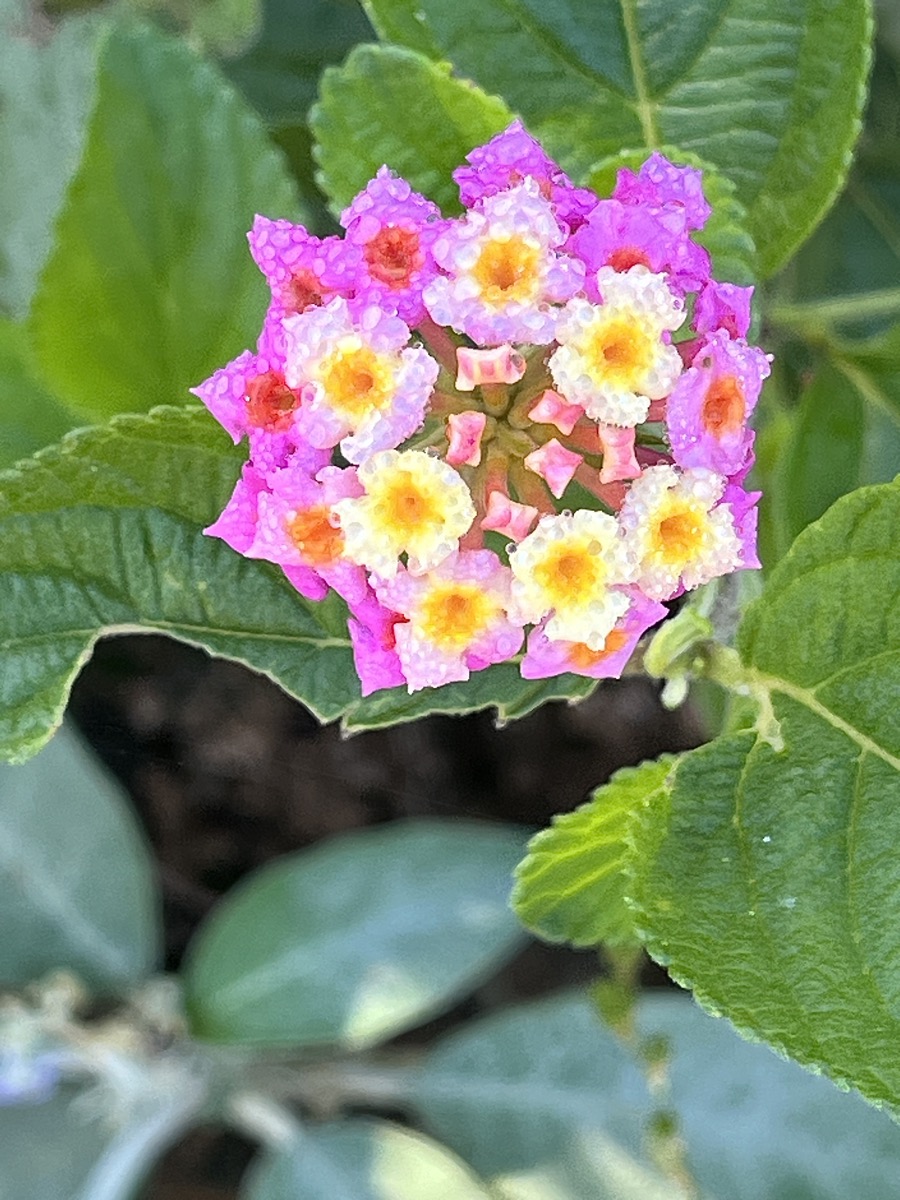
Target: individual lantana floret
point(679, 533)
point(361, 383)
point(546, 657)
point(512, 156)
point(707, 412)
point(479, 373)
point(503, 270)
point(572, 569)
point(413, 504)
point(613, 358)
point(455, 618)
point(393, 228)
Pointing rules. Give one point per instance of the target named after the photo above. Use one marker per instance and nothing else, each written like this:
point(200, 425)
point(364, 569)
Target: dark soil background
point(227, 772)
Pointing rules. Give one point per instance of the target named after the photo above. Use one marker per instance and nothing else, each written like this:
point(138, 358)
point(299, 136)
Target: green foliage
point(771, 94)
point(40, 143)
point(104, 534)
point(361, 1160)
point(571, 887)
point(765, 877)
point(29, 416)
point(60, 817)
point(356, 940)
point(151, 242)
point(361, 122)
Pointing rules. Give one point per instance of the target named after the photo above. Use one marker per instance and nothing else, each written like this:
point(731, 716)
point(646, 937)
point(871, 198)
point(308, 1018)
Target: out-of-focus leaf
point(46, 92)
point(571, 887)
point(361, 121)
point(150, 287)
point(770, 93)
point(103, 534)
point(64, 828)
point(361, 1160)
point(224, 27)
point(29, 416)
point(358, 939)
point(765, 875)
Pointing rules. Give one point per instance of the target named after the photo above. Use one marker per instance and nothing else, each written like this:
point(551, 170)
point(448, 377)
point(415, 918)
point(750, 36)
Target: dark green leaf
point(103, 534)
point(571, 887)
point(770, 93)
point(362, 121)
point(766, 878)
point(63, 819)
point(361, 1160)
point(358, 939)
point(150, 287)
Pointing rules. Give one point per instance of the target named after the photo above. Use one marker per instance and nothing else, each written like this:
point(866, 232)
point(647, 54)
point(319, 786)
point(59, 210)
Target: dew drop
point(767, 839)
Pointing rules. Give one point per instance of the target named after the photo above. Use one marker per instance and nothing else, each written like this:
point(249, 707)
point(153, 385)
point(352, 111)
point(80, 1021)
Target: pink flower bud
point(464, 432)
point(619, 461)
point(552, 409)
point(502, 364)
point(555, 464)
point(507, 517)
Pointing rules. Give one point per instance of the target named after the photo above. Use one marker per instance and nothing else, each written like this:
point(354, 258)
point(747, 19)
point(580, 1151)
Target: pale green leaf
point(362, 122)
point(361, 1160)
point(571, 887)
point(358, 939)
point(63, 819)
point(151, 287)
point(29, 416)
point(766, 878)
point(770, 92)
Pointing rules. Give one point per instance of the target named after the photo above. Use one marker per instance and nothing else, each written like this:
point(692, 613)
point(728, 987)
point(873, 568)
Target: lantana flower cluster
point(509, 435)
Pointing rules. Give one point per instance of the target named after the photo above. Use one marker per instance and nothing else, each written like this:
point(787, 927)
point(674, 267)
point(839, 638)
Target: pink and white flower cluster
point(509, 435)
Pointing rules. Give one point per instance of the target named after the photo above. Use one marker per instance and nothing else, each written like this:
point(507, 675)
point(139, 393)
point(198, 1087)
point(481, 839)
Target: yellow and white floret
point(568, 568)
point(414, 504)
point(679, 534)
point(612, 357)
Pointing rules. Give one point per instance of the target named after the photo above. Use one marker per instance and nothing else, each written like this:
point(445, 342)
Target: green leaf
point(571, 887)
point(62, 817)
point(358, 939)
point(542, 1100)
point(770, 93)
point(766, 878)
point(46, 93)
point(361, 122)
point(361, 1160)
point(758, 1128)
point(103, 534)
point(152, 241)
point(225, 27)
point(29, 416)
point(66, 1150)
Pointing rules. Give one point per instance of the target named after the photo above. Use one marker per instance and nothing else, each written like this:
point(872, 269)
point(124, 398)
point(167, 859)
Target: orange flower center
point(627, 257)
point(724, 407)
point(394, 255)
point(270, 402)
point(455, 614)
point(678, 537)
point(315, 537)
point(582, 657)
point(507, 269)
point(303, 291)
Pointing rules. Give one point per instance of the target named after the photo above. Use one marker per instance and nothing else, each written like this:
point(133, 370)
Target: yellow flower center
point(356, 380)
point(571, 574)
point(453, 614)
point(406, 504)
point(680, 535)
point(619, 351)
point(507, 270)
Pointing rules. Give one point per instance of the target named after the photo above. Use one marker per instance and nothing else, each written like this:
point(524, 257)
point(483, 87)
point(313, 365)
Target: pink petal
point(555, 464)
point(552, 409)
point(502, 364)
point(507, 517)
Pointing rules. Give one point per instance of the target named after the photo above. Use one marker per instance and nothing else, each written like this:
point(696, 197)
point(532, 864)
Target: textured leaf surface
point(362, 121)
point(362, 1160)
point(46, 93)
point(103, 534)
point(357, 939)
point(767, 90)
point(152, 240)
point(766, 879)
point(571, 887)
point(61, 819)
